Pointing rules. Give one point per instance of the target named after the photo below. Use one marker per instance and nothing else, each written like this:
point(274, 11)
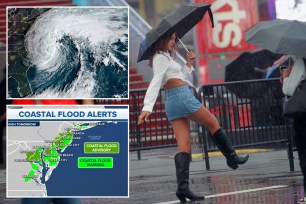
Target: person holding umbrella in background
point(287, 37)
point(270, 70)
point(291, 77)
point(181, 105)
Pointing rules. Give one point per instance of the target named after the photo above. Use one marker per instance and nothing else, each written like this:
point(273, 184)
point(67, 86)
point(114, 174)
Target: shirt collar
point(164, 53)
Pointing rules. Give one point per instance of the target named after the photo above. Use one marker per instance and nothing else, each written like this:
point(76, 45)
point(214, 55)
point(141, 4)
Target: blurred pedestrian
point(182, 106)
point(291, 78)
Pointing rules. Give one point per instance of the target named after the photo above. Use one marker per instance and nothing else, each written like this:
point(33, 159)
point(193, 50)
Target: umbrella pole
point(183, 44)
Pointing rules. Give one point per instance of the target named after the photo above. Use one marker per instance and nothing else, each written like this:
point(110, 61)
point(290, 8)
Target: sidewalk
point(265, 179)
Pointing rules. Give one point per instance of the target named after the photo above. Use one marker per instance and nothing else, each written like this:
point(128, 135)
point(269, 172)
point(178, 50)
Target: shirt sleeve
point(160, 66)
point(187, 71)
point(296, 76)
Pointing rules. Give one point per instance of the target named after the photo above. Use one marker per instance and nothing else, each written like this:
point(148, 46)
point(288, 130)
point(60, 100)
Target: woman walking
point(182, 106)
point(291, 78)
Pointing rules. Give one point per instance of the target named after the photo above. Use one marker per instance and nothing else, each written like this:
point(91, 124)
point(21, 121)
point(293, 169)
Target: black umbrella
point(249, 66)
point(279, 36)
point(181, 21)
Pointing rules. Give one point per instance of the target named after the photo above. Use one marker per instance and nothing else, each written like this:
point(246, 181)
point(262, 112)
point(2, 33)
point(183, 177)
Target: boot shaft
point(223, 143)
point(225, 146)
point(182, 163)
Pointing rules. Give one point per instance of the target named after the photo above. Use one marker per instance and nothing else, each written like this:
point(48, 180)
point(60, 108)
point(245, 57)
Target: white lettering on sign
point(231, 33)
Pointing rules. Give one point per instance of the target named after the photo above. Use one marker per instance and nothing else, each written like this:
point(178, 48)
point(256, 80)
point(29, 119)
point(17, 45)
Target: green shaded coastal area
point(82, 127)
point(50, 155)
point(63, 140)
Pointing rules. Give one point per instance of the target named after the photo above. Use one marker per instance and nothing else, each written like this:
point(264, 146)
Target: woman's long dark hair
point(160, 45)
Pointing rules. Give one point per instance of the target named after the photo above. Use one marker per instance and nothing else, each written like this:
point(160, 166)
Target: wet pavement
point(265, 179)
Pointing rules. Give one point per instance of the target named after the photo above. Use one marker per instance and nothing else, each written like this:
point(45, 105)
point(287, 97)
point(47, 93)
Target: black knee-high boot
point(225, 146)
point(182, 161)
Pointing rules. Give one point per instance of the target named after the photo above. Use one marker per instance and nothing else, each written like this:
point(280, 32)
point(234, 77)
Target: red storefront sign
point(232, 18)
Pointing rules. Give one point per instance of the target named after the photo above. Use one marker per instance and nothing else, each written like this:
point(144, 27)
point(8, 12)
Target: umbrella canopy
point(279, 36)
point(249, 66)
point(181, 21)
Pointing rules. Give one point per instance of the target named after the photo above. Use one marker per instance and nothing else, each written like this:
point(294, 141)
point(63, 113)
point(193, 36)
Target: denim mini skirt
point(180, 102)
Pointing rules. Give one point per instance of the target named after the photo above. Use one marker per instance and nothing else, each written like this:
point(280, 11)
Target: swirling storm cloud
point(69, 53)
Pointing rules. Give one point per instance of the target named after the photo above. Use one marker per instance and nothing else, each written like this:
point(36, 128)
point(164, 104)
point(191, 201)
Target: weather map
point(68, 52)
point(50, 151)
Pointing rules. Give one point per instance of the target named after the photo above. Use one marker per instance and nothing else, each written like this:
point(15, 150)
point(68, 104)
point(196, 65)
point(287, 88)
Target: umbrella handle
point(183, 44)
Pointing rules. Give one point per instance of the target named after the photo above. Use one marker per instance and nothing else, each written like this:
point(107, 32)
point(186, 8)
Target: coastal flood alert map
point(53, 157)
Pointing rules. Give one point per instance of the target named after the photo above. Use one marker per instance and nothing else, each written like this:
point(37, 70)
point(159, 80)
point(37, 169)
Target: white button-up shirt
point(164, 68)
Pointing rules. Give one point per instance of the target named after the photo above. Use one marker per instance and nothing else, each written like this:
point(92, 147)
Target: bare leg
point(204, 117)
point(181, 132)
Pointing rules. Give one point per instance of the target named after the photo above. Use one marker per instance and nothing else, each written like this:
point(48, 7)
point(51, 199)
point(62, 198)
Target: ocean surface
point(68, 180)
